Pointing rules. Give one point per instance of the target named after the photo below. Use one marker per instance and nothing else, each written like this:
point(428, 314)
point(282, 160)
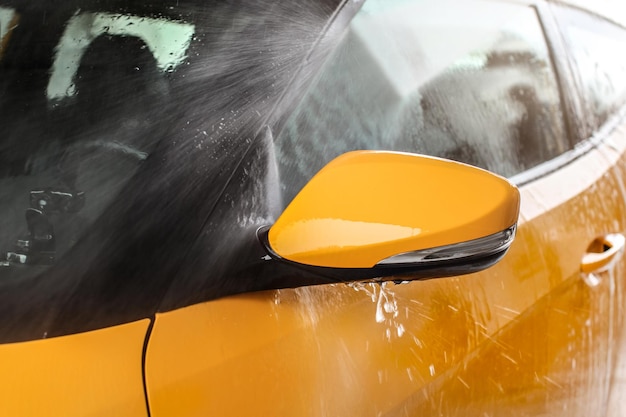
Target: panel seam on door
point(144, 355)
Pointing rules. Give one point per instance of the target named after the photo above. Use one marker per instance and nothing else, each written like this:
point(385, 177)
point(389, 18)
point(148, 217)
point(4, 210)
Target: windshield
point(78, 117)
point(120, 126)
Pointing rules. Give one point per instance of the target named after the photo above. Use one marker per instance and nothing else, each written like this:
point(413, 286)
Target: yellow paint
point(526, 337)
point(93, 374)
point(346, 233)
point(366, 206)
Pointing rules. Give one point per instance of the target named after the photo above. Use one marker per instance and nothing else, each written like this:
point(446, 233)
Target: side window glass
point(466, 80)
point(596, 46)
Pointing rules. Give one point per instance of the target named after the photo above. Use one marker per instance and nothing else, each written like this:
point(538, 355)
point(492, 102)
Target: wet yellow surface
point(411, 355)
point(94, 374)
point(556, 359)
point(617, 397)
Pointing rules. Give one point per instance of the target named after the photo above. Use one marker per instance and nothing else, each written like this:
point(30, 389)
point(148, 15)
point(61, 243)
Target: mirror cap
point(369, 208)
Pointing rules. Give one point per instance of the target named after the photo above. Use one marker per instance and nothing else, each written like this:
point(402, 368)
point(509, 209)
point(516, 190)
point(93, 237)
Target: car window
point(78, 106)
point(465, 80)
point(121, 127)
point(596, 50)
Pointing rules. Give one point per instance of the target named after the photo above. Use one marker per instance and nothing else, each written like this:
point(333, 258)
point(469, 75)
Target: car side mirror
point(378, 214)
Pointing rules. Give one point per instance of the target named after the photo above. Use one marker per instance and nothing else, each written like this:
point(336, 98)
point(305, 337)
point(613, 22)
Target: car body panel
point(96, 373)
point(504, 341)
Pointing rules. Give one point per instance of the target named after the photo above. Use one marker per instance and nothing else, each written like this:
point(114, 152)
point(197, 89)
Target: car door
point(534, 335)
point(600, 80)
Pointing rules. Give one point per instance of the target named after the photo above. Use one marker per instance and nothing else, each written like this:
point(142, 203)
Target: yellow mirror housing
point(369, 208)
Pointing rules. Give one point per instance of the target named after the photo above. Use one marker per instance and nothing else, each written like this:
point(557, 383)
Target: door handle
point(602, 252)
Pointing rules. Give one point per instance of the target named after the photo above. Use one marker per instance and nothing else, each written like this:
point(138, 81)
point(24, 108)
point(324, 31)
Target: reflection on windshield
point(168, 42)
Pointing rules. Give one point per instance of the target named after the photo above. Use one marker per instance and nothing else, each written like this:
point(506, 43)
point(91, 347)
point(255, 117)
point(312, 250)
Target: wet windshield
point(120, 124)
point(78, 118)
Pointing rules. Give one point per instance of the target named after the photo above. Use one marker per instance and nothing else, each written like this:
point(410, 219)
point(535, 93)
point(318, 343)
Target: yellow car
point(319, 208)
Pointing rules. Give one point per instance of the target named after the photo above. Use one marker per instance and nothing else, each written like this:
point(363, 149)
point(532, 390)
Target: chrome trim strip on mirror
point(293, 274)
point(481, 247)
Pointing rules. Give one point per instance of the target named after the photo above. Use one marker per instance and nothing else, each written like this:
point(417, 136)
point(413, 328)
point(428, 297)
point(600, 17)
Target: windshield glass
point(80, 98)
point(121, 123)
